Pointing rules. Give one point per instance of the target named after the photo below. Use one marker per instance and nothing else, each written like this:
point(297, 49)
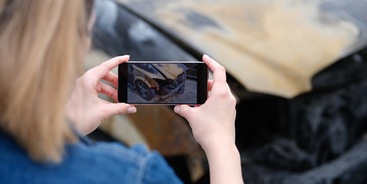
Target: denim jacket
point(85, 162)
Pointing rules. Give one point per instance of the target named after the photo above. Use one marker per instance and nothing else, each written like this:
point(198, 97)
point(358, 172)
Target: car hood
point(272, 47)
point(169, 71)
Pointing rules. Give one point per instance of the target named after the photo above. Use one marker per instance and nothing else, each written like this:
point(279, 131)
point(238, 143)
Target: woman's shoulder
point(111, 151)
point(87, 162)
point(136, 164)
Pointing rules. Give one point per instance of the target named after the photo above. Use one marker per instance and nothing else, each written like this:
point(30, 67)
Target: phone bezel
point(202, 81)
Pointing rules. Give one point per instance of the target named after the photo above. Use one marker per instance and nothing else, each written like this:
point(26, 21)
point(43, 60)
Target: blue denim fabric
point(85, 162)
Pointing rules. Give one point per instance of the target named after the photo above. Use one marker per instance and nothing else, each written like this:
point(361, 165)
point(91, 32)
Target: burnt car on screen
point(161, 80)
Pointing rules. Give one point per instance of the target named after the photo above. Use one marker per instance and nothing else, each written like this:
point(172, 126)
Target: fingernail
point(126, 56)
point(206, 56)
point(131, 109)
point(177, 109)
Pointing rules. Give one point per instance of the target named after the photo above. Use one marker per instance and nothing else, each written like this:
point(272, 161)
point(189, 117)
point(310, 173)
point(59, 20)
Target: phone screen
point(163, 82)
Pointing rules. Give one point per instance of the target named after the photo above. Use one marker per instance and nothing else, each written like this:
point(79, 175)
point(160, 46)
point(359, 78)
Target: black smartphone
point(163, 82)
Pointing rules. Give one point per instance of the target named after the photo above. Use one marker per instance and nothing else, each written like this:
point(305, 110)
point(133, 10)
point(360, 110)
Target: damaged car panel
point(271, 47)
point(162, 79)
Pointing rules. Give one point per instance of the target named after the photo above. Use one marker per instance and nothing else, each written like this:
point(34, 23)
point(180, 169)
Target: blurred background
point(297, 67)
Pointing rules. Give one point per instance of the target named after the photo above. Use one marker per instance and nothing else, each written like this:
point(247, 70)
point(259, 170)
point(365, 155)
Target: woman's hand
point(213, 127)
point(85, 108)
point(214, 120)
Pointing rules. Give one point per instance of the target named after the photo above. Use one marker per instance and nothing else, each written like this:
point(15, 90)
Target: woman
point(42, 46)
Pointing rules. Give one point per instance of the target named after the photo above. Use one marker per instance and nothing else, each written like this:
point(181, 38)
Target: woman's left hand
point(85, 108)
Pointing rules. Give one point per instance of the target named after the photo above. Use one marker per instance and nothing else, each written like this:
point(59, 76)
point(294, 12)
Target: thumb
point(118, 108)
point(183, 110)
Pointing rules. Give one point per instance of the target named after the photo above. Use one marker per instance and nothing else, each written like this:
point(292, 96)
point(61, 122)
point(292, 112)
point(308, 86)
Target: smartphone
point(163, 82)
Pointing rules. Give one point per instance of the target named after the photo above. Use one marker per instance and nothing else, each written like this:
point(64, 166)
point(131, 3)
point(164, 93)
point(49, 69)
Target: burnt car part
point(317, 137)
point(272, 47)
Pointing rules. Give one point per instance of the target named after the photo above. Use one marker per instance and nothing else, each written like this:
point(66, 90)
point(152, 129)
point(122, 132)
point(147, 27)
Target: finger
point(103, 69)
point(219, 72)
point(210, 84)
point(107, 90)
point(183, 110)
point(118, 108)
point(112, 78)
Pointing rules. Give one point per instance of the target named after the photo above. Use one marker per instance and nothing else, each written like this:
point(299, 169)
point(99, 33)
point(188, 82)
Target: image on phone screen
point(163, 82)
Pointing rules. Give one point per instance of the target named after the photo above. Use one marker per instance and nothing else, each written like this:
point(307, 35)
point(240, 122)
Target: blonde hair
point(40, 57)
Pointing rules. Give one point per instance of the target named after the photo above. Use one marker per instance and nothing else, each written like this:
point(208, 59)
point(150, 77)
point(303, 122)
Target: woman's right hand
point(214, 120)
point(214, 129)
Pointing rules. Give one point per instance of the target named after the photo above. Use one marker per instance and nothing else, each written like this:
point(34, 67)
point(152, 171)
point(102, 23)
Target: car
point(297, 68)
point(161, 80)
